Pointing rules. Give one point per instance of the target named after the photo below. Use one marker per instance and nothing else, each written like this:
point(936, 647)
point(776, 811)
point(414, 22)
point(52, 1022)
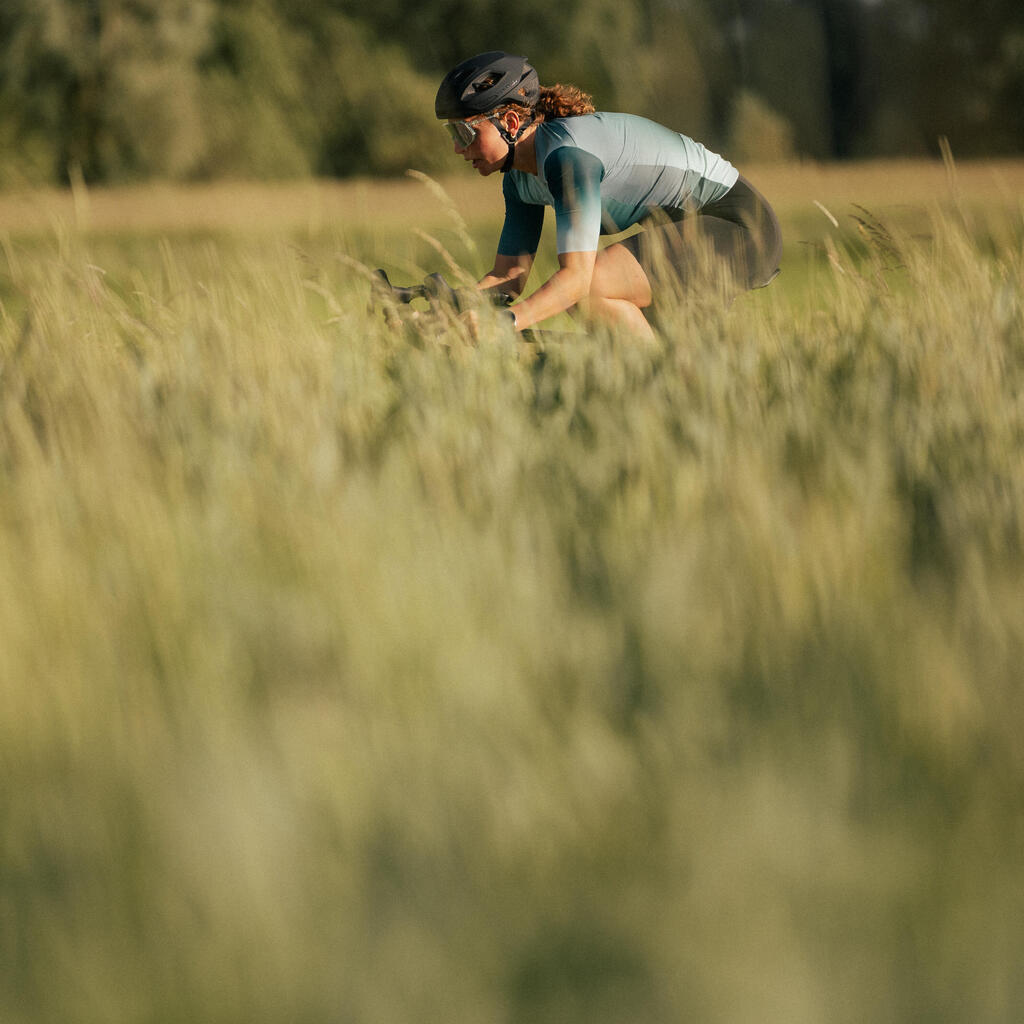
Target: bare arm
point(508, 275)
point(564, 289)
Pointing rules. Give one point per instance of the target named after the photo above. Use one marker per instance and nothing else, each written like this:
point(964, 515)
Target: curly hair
point(564, 101)
point(556, 101)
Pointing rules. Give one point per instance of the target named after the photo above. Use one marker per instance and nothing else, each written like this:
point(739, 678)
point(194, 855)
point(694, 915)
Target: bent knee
point(618, 276)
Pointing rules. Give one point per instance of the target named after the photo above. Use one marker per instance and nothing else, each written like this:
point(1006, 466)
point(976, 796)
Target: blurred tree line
point(191, 89)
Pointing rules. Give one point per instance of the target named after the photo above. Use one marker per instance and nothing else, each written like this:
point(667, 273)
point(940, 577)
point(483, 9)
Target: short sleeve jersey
point(602, 173)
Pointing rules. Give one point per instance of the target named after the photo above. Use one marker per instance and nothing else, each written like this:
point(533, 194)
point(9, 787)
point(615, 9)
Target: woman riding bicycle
point(602, 173)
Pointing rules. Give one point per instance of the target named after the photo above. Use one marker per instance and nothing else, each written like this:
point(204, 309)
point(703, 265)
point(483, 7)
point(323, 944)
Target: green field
point(344, 679)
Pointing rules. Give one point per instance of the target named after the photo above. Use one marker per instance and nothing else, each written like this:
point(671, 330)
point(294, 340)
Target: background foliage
point(201, 89)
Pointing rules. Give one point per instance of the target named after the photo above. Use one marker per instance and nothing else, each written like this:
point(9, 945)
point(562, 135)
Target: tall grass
point(349, 681)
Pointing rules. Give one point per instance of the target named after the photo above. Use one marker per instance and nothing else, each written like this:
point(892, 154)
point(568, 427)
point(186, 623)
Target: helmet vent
point(486, 83)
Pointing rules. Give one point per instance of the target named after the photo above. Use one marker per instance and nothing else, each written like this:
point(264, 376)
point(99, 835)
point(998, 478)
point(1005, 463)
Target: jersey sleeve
point(574, 178)
point(524, 223)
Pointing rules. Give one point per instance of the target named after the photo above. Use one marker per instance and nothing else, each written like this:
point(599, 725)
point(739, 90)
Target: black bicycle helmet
point(484, 82)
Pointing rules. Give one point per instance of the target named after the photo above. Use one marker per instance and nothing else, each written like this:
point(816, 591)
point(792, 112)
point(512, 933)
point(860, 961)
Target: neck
point(525, 152)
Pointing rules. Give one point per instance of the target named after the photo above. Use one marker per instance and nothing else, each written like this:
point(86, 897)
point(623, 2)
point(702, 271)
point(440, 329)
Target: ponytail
point(555, 101)
point(563, 101)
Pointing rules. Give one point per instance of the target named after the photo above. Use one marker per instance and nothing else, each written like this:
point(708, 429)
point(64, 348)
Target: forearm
point(511, 280)
point(563, 290)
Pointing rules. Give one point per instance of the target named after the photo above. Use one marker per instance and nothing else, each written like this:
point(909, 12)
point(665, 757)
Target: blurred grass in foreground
point(343, 681)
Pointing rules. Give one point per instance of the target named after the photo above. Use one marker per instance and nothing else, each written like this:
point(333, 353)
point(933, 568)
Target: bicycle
point(445, 306)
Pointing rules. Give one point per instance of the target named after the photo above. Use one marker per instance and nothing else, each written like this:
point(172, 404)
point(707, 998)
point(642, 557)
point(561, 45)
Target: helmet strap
point(511, 139)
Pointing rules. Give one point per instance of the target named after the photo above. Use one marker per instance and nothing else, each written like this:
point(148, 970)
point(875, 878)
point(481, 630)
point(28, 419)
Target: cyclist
point(602, 173)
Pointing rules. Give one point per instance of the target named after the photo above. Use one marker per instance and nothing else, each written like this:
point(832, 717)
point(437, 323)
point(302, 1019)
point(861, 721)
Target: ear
point(512, 121)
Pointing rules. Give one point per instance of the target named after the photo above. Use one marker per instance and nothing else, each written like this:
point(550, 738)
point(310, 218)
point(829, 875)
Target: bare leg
point(619, 291)
point(620, 313)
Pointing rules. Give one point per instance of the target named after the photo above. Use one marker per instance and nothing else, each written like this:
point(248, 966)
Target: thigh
point(619, 275)
point(691, 253)
point(739, 232)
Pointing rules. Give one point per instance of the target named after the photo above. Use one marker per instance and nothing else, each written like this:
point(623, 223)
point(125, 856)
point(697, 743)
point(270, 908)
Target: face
point(488, 150)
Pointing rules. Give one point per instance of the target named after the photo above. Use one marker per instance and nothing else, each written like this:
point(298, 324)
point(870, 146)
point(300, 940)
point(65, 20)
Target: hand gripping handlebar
point(435, 289)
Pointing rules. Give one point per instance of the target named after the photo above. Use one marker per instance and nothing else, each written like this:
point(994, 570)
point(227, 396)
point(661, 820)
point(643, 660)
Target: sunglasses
point(463, 133)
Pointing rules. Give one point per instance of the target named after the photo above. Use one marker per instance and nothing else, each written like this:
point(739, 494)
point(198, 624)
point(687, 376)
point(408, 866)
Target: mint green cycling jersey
point(602, 173)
